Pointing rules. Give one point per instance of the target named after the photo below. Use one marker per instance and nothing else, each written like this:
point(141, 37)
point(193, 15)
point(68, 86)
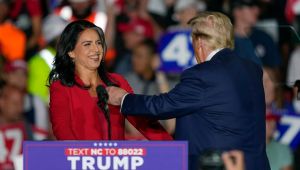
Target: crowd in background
point(266, 32)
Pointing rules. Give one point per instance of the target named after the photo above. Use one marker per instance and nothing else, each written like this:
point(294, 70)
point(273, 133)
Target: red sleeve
point(60, 112)
point(150, 128)
point(34, 7)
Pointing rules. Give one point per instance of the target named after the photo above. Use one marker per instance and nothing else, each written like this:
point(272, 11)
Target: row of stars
point(110, 144)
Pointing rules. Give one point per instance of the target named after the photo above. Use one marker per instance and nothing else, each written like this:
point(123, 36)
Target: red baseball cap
point(15, 65)
point(271, 116)
point(138, 25)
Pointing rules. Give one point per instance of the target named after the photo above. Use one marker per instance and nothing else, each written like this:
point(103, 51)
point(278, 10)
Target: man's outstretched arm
point(187, 96)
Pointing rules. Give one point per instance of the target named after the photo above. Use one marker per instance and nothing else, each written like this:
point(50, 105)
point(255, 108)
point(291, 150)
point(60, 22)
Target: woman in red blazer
point(78, 99)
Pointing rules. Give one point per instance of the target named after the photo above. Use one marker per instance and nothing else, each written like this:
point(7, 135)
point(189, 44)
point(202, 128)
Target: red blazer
point(74, 115)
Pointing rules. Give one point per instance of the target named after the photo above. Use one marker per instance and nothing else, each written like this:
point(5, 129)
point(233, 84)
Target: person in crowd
point(134, 32)
point(78, 99)
point(276, 102)
point(146, 79)
point(214, 99)
point(82, 9)
point(39, 65)
point(12, 39)
point(184, 10)
point(293, 71)
point(27, 15)
point(246, 13)
point(297, 150)
point(219, 5)
point(12, 121)
point(143, 76)
point(16, 74)
point(279, 155)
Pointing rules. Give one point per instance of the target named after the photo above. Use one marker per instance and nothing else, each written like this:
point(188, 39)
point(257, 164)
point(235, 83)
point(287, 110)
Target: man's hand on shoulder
point(115, 95)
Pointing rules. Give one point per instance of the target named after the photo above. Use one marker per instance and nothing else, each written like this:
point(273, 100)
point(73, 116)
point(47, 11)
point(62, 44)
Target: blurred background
point(149, 44)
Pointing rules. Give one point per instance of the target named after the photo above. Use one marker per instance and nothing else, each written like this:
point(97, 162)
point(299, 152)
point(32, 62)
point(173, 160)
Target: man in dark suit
point(219, 103)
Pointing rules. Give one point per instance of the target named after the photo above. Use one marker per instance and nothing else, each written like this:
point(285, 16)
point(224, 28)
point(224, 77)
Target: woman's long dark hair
point(64, 67)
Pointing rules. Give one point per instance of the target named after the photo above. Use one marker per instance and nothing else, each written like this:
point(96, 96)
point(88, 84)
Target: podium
point(102, 155)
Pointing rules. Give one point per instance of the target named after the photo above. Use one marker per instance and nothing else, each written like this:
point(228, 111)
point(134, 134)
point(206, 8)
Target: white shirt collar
point(210, 56)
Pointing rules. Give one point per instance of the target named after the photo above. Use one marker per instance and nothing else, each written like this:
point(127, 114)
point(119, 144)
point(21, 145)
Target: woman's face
point(88, 51)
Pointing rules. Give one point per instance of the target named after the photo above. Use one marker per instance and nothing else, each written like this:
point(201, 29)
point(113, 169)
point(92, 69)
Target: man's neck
point(211, 53)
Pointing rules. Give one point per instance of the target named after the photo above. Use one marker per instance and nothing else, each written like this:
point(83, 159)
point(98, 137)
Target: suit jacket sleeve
point(60, 112)
point(187, 96)
point(149, 127)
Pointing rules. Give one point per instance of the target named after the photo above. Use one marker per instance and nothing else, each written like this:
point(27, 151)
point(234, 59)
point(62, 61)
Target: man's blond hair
point(214, 27)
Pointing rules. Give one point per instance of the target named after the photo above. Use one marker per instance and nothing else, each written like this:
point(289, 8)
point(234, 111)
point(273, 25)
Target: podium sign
point(116, 155)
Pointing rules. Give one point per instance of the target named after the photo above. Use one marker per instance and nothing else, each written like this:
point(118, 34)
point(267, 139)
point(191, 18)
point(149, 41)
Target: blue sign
point(288, 128)
point(176, 51)
point(116, 155)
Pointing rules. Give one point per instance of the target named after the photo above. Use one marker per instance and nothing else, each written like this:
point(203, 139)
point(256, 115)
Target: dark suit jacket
point(219, 104)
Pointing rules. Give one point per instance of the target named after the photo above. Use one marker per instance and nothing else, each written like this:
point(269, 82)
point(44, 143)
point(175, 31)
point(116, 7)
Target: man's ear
point(71, 54)
point(201, 43)
point(196, 42)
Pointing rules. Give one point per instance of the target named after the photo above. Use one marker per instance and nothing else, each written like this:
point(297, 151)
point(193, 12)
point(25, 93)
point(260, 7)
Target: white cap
point(52, 27)
point(183, 4)
point(157, 7)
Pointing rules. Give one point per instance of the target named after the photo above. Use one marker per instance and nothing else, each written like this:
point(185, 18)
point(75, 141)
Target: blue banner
point(176, 51)
point(289, 130)
point(116, 155)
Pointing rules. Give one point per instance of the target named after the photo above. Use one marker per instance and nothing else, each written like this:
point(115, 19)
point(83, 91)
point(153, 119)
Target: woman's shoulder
point(56, 84)
point(121, 81)
point(118, 78)
point(116, 75)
